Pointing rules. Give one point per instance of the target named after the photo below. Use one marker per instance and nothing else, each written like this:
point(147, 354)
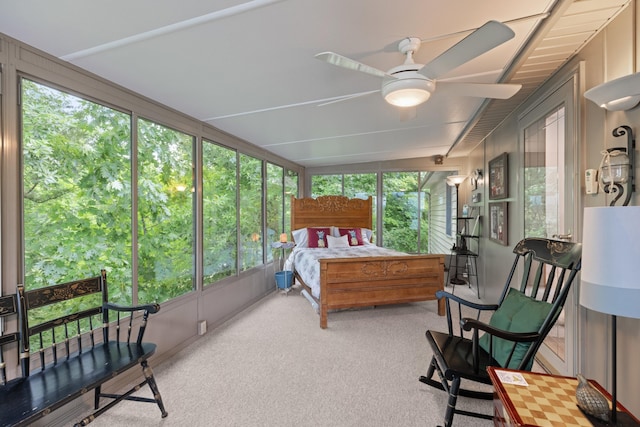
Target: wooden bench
point(62, 357)
point(8, 340)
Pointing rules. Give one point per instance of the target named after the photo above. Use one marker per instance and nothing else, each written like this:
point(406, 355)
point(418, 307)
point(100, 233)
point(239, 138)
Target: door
point(550, 186)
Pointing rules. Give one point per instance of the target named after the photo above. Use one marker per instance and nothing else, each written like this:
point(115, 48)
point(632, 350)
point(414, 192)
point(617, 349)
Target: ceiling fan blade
point(350, 64)
point(482, 40)
point(480, 90)
point(346, 97)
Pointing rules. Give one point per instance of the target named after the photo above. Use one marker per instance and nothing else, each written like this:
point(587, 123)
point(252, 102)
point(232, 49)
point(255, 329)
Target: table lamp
point(610, 280)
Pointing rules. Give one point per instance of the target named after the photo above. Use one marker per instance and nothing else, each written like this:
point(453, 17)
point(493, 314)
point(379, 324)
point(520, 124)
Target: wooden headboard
point(339, 211)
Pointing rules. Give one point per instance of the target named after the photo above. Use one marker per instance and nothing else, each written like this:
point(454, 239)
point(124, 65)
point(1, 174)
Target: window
point(250, 188)
point(76, 187)
point(165, 213)
point(78, 200)
point(290, 189)
point(275, 206)
point(360, 185)
point(325, 185)
point(544, 175)
point(405, 213)
point(220, 231)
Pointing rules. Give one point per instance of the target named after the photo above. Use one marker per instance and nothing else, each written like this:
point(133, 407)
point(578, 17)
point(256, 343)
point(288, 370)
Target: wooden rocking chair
point(521, 320)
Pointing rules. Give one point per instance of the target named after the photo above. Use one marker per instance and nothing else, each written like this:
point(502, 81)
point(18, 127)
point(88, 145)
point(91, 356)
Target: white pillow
point(301, 237)
point(366, 235)
point(338, 242)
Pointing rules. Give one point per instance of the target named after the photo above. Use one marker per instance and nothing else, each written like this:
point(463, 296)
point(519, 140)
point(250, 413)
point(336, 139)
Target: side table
point(531, 399)
point(285, 281)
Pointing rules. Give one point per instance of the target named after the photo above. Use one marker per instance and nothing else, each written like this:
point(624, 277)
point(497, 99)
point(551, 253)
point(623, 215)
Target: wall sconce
point(617, 167)
point(618, 94)
point(476, 178)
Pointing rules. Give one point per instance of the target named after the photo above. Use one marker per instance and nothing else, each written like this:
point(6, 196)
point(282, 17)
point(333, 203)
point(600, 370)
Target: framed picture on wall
point(499, 177)
point(498, 223)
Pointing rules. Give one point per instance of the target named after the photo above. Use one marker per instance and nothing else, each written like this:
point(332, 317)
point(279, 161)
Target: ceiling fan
point(411, 84)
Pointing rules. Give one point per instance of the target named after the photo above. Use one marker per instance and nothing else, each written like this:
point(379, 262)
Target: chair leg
point(148, 374)
point(96, 397)
point(432, 368)
point(451, 405)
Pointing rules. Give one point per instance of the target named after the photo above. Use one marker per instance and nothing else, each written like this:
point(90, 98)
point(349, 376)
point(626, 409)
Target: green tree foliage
point(326, 185)
point(275, 205)
point(77, 199)
point(219, 211)
point(250, 187)
point(535, 191)
point(76, 190)
point(165, 213)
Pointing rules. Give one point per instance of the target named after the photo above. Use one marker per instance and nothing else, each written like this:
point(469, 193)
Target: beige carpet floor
point(272, 365)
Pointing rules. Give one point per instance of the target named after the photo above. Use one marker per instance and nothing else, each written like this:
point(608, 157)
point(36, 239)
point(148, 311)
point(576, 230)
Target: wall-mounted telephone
point(591, 181)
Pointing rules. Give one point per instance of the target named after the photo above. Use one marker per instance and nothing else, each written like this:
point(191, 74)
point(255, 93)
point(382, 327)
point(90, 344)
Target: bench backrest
point(8, 340)
point(62, 319)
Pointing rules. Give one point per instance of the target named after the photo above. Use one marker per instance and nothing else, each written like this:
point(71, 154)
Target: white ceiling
point(248, 67)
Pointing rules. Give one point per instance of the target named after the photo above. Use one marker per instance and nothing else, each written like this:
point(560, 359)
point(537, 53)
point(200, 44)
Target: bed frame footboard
point(371, 281)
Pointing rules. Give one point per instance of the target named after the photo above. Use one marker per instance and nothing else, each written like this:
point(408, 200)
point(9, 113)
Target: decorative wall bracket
point(625, 172)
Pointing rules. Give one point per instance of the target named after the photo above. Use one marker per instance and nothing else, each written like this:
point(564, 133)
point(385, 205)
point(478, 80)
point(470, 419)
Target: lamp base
point(457, 281)
point(623, 419)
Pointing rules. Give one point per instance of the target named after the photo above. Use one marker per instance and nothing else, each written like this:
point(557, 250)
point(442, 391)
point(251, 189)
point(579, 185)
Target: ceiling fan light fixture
point(407, 92)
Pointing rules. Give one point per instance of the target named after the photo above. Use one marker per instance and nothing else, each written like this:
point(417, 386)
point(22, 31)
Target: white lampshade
point(618, 94)
point(456, 179)
point(610, 279)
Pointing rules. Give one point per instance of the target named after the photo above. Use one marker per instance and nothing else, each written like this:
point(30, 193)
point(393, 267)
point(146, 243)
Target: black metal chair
point(521, 320)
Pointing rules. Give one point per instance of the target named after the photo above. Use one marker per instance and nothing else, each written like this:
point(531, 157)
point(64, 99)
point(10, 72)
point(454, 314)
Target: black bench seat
point(26, 399)
point(78, 360)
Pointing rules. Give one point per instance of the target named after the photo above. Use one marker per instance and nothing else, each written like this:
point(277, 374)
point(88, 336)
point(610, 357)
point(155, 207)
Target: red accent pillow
point(318, 237)
point(355, 235)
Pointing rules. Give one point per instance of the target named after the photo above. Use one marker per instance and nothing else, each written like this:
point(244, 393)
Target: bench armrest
point(147, 309)
point(150, 308)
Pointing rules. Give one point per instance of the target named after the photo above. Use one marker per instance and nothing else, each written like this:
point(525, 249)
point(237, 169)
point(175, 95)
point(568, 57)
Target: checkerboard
point(548, 401)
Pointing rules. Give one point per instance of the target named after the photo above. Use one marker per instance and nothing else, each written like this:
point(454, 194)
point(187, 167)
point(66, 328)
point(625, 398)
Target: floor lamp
point(610, 279)
point(456, 180)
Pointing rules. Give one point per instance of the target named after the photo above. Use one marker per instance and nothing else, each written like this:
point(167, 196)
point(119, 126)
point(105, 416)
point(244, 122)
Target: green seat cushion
point(517, 313)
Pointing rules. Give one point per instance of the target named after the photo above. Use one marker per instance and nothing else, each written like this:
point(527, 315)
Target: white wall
point(612, 53)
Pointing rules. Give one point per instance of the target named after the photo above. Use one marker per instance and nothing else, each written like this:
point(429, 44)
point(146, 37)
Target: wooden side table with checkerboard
point(533, 399)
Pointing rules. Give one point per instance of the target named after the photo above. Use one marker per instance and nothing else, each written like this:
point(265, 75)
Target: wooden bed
point(368, 281)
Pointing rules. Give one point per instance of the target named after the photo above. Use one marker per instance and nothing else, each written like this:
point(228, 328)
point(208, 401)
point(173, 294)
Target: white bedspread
point(304, 261)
